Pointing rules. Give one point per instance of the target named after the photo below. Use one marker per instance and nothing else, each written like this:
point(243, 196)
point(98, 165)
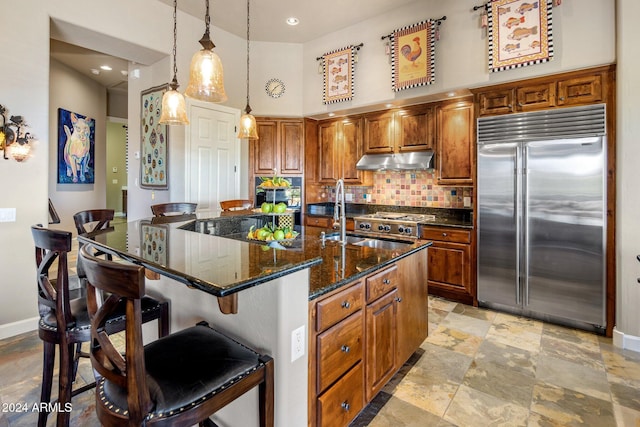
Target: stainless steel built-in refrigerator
point(542, 215)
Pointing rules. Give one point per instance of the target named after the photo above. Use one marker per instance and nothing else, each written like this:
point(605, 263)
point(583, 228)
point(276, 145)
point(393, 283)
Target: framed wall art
point(413, 55)
point(154, 141)
point(337, 72)
point(76, 148)
point(519, 33)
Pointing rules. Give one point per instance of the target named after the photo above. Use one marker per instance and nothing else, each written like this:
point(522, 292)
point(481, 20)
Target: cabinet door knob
point(444, 234)
point(386, 281)
point(345, 406)
point(520, 104)
point(398, 299)
point(345, 349)
point(346, 304)
point(562, 98)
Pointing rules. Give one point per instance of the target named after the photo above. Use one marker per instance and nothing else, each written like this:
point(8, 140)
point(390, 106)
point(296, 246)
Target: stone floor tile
point(466, 324)
point(495, 380)
point(514, 332)
point(573, 376)
point(625, 391)
point(397, 412)
point(471, 311)
point(443, 364)
point(621, 364)
point(512, 358)
point(455, 340)
point(561, 406)
point(471, 407)
point(584, 353)
point(626, 417)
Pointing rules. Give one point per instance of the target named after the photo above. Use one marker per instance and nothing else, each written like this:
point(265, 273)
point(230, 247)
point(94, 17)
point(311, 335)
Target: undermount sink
point(350, 239)
point(369, 242)
point(382, 244)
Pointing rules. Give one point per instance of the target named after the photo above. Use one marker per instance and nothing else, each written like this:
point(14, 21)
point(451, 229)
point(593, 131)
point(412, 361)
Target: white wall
point(583, 35)
point(74, 92)
point(627, 332)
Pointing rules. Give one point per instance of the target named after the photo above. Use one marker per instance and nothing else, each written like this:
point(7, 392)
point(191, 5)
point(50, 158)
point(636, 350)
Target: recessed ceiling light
point(450, 94)
point(331, 114)
point(105, 67)
point(95, 71)
point(389, 105)
point(293, 20)
point(124, 72)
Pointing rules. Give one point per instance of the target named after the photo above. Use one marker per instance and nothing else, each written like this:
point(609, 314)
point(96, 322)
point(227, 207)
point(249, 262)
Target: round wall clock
point(274, 88)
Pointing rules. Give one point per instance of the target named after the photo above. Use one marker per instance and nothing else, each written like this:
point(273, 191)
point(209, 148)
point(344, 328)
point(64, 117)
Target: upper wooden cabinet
point(340, 148)
point(280, 147)
point(407, 129)
point(455, 143)
point(567, 89)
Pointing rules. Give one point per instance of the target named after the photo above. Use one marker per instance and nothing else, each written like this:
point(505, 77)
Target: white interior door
point(212, 157)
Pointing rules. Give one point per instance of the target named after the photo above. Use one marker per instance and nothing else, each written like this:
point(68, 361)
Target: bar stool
point(173, 208)
point(64, 321)
point(93, 221)
point(228, 205)
point(178, 380)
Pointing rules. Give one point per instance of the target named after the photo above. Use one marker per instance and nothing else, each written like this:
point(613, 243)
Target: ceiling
point(268, 17)
point(268, 23)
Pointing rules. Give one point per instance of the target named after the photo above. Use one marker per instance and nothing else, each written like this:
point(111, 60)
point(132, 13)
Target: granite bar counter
point(273, 287)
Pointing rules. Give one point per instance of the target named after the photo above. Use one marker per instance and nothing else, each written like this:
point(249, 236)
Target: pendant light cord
point(175, 41)
point(248, 109)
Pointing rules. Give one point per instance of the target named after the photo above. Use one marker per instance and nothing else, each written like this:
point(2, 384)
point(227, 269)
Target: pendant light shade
point(206, 77)
point(174, 110)
point(248, 128)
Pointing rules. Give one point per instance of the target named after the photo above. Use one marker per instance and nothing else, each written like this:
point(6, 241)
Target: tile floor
point(477, 368)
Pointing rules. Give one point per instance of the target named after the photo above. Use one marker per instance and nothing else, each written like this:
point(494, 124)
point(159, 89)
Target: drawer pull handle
point(345, 348)
point(346, 304)
point(444, 234)
point(386, 281)
point(345, 406)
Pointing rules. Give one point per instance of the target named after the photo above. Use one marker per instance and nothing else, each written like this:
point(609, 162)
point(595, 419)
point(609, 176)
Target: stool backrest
point(173, 208)
point(52, 247)
point(124, 282)
point(228, 205)
point(93, 220)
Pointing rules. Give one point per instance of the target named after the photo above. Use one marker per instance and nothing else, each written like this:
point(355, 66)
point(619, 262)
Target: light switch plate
point(467, 202)
point(7, 214)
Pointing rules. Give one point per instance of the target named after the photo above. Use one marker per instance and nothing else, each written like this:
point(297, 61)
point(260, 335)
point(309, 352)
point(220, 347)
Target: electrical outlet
point(8, 215)
point(467, 202)
point(297, 343)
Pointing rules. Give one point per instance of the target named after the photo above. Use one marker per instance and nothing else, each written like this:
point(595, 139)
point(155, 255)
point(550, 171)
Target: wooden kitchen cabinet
point(280, 146)
point(340, 148)
point(568, 89)
point(381, 327)
point(449, 263)
point(455, 143)
point(361, 334)
point(397, 131)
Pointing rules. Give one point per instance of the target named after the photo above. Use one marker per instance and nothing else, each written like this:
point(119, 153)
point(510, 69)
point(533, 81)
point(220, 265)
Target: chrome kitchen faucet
point(339, 212)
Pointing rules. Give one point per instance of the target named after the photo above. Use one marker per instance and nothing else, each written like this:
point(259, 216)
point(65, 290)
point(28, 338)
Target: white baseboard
point(16, 328)
point(627, 342)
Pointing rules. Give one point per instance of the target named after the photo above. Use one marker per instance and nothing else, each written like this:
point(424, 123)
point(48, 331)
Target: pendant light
point(248, 128)
point(206, 78)
point(174, 111)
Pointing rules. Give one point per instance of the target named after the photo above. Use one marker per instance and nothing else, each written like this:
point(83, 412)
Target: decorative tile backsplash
point(415, 188)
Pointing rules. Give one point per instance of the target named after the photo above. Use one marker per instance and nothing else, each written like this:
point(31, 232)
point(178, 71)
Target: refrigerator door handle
point(525, 226)
point(518, 213)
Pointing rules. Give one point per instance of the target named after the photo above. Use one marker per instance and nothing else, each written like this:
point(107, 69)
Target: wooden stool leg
point(266, 394)
point(65, 383)
point(49, 355)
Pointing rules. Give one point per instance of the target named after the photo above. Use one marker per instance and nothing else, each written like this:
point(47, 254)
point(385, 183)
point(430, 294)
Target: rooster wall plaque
point(412, 53)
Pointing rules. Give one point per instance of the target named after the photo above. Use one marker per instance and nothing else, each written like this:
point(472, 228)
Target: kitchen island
point(273, 287)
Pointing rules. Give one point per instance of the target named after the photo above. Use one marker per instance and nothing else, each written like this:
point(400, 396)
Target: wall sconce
point(13, 133)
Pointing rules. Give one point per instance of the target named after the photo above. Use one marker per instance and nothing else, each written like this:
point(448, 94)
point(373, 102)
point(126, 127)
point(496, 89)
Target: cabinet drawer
point(382, 282)
point(337, 307)
point(342, 402)
point(446, 235)
point(316, 221)
point(339, 348)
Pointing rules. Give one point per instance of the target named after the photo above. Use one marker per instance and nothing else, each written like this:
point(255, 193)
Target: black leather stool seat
point(186, 367)
point(81, 316)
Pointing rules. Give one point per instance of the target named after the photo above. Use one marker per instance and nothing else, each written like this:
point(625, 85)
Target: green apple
point(278, 234)
point(266, 207)
point(280, 207)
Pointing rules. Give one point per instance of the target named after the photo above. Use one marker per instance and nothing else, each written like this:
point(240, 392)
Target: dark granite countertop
point(445, 217)
point(178, 250)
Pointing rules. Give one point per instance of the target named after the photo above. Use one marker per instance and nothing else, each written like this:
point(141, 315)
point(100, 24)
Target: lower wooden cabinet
point(449, 266)
point(360, 336)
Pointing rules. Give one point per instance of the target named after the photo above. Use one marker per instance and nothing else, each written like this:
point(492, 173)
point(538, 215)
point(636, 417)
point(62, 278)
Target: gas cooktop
point(393, 224)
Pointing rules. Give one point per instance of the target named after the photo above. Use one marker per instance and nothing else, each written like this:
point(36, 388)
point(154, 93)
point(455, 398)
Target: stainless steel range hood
point(418, 160)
